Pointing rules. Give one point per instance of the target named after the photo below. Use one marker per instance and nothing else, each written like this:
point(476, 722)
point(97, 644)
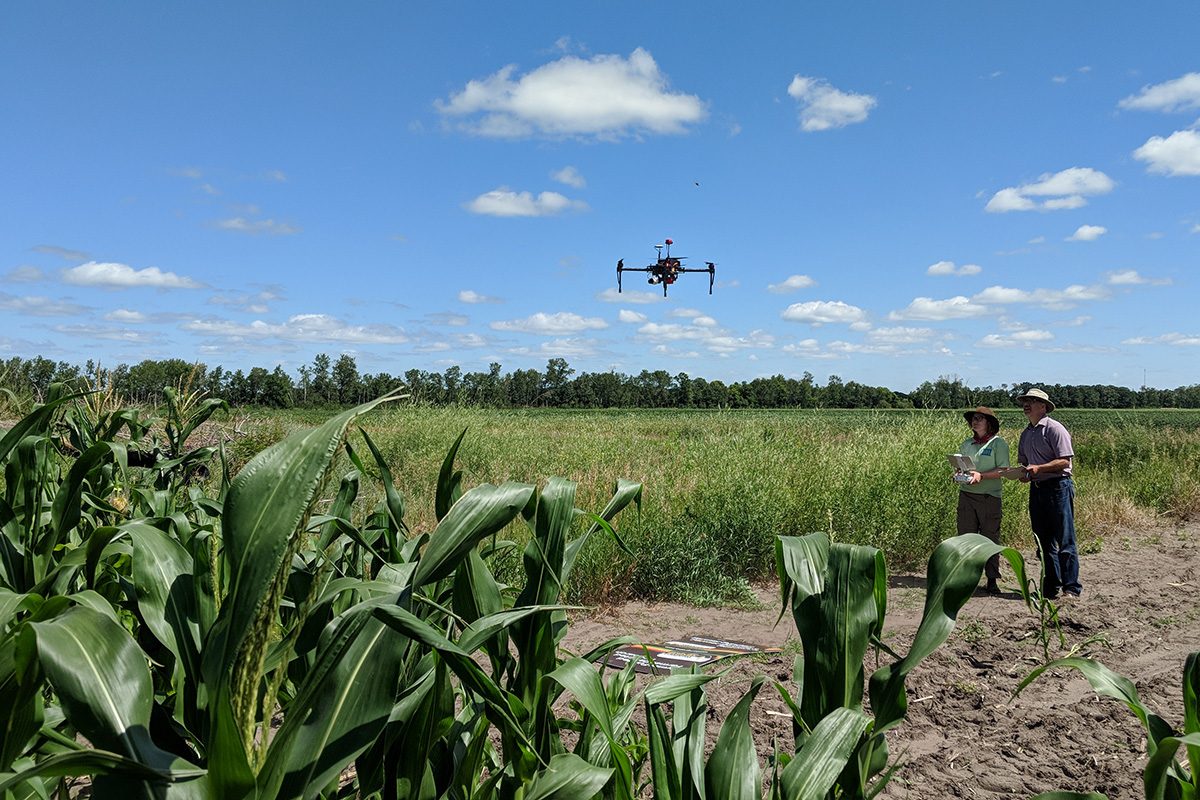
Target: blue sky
point(891, 191)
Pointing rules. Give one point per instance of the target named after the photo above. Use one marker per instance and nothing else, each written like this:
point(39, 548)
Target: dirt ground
point(965, 736)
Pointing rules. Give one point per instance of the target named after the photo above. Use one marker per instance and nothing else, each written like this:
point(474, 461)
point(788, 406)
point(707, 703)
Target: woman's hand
point(976, 477)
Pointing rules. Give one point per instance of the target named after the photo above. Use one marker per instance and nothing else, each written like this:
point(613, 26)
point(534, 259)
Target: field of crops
point(172, 630)
point(719, 486)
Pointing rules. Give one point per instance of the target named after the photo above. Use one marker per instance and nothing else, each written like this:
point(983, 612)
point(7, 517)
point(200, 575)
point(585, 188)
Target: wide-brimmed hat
point(1037, 394)
point(987, 412)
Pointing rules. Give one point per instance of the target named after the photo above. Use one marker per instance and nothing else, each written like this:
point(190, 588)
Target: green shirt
point(987, 457)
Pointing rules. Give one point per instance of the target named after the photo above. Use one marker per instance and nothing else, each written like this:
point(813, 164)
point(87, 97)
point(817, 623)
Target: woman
point(979, 505)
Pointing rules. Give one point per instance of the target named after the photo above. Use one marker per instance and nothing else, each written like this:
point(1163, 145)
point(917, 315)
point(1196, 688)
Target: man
point(1045, 454)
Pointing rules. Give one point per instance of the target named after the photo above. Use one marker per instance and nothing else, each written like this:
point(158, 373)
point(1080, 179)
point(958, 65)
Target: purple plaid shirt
point(1044, 442)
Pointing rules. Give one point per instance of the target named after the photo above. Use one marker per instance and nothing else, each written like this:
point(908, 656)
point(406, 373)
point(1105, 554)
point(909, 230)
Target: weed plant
point(726, 483)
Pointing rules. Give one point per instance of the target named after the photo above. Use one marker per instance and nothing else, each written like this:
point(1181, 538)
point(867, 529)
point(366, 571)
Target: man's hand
point(1033, 469)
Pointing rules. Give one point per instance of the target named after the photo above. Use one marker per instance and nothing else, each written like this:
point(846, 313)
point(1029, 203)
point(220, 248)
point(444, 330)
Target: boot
point(992, 586)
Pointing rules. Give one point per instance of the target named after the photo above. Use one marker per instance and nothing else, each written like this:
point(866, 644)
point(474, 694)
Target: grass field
point(719, 486)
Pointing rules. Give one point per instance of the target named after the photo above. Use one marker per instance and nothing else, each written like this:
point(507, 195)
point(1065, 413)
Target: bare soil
point(965, 735)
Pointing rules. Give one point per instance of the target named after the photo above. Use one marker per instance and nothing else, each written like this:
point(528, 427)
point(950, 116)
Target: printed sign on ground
point(680, 654)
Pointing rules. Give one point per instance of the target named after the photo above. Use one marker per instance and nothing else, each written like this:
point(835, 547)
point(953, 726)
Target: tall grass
point(721, 485)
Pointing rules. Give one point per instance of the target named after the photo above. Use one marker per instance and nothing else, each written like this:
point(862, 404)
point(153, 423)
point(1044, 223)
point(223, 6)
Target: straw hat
point(987, 412)
point(1037, 394)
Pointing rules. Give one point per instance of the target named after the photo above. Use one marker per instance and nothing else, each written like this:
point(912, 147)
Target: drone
point(666, 269)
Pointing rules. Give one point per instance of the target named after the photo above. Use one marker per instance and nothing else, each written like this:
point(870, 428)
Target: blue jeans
point(1052, 517)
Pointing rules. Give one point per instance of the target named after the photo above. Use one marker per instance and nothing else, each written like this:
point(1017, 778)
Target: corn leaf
point(567, 777)
point(732, 770)
point(951, 579)
point(479, 513)
point(263, 510)
point(812, 772)
point(341, 707)
point(101, 677)
point(1107, 683)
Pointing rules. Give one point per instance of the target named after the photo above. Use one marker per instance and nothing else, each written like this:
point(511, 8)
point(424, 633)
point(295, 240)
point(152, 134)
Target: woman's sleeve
point(1001, 453)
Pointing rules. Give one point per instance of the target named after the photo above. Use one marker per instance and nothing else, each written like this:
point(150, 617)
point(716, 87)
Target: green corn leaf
point(672, 687)
point(460, 662)
point(342, 706)
point(664, 772)
point(813, 770)
point(264, 508)
point(21, 696)
point(479, 513)
point(624, 493)
point(392, 499)
point(834, 592)
point(1107, 683)
point(449, 483)
point(1161, 770)
point(36, 422)
point(1191, 710)
point(951, 579)
point(581, 679)
point(101, 677)
point(166, 593)
point(67, 502)
point(342, 507)
point(800, 563)
point(732, 770)
point(568, 777)
point(87, 762)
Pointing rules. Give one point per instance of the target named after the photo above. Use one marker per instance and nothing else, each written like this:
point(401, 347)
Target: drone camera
point(654, 280)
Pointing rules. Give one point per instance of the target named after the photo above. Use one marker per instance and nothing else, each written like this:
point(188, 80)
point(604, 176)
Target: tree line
point(326, 382)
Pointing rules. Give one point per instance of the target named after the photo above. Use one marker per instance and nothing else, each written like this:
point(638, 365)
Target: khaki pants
point(980, 513)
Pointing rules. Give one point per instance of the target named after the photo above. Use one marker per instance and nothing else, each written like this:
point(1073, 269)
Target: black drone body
point(667, 269)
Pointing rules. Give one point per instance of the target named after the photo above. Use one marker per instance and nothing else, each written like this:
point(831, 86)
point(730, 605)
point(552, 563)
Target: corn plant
point(838, 597)
point(256, 648)
point(1164, 777)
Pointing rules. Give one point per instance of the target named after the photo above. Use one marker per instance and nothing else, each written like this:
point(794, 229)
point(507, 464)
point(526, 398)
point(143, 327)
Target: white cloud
point(625, 315)
point(298, 328)
point(819, 312)
point(929, 309)
point(1131, 277)
point(257, 226)
point(121, 276)
point(823, 107)
point(629, 296)
point(948, 268)
point(109, 333)
point(256, 303)
point(791, 284)
point(503, 202)
point(40, 306)
point(1180, 94)
point(1176, 339)
point(475, 298)
point(1178, 154)
point(1087, 233)
point(126, 316)
point(1063, 190)
point(1019, 339)
point(605, 97)
point(1047, 298)
point(61, 252)
point(901, 335)
point(24, 274)
point(570, 176)
point(563, 322)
